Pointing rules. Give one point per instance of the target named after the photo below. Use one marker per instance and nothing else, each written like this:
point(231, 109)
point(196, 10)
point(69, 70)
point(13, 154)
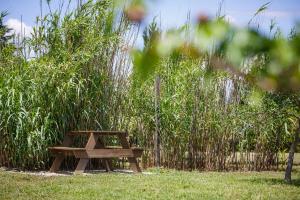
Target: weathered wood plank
point(56, 149)
point(65, 151)
point(107, 153)
point(107, 161)
point(89, 145)
point(60, 148)
point(98, 153)
point(132, 160)
point(81, 165)
point(68, 140)
point(56, 163)
point(134, 165)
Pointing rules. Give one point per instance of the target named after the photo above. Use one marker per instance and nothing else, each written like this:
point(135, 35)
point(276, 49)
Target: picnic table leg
point(107, 161)
point(81, 165)
point(108, 164)
point(56, 163)
point(59, 158)
point(134, 165)
point(132, 160)
point(84, 161)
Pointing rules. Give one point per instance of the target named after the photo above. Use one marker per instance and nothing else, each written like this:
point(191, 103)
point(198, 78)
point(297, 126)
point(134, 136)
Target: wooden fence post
point(157, 122)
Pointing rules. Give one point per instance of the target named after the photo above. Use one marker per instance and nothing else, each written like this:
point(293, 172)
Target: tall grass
point(77, 81)
point(81, 78)
point(211, 120)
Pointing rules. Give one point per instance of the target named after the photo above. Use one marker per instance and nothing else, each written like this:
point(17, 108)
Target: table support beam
point(68, 140)
point(89, 146)
point(133, 163)
point(107, 161)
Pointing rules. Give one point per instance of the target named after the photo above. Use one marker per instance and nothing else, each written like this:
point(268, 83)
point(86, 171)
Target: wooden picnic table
point(95, 148)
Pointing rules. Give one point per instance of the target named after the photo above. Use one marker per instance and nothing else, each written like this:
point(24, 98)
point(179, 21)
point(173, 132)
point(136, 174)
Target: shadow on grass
point(272, 181)
point(120, 171)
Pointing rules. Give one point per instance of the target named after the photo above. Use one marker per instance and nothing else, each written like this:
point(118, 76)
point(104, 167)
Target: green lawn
point(163, 184)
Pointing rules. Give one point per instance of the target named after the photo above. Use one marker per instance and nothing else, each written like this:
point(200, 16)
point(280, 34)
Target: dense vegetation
point(76, 81)
point(82, 78)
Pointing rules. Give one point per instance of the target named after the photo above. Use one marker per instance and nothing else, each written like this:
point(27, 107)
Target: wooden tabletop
point(98, 132)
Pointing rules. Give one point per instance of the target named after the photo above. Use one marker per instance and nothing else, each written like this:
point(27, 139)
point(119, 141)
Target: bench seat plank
point(108, 153)
point(66, 151)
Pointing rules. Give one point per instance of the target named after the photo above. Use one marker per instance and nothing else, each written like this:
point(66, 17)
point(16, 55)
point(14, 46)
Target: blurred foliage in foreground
point(273, 64)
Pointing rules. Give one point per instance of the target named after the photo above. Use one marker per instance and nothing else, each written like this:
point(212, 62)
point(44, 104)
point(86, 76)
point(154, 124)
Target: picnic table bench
point(95, 148)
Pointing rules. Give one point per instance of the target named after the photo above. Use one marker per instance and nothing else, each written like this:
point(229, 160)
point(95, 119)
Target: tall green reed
point(76, 81)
